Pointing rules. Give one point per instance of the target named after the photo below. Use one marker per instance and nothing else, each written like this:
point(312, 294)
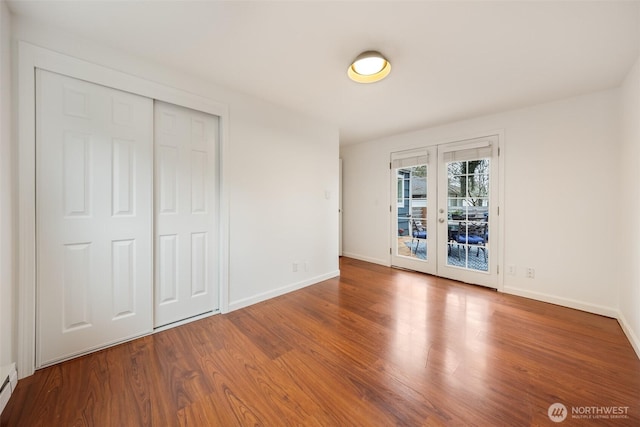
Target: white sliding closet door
point(94, 216)
point(186, 194)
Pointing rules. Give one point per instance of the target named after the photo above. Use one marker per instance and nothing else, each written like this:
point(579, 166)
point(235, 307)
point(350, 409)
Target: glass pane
point(412, 212)
point(455, 188)
point(468, 214)
point(455, 180)
point(456, 213)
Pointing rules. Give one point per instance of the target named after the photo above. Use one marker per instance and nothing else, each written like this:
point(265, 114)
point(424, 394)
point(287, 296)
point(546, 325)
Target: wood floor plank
point(375, 347)
point(260, 333)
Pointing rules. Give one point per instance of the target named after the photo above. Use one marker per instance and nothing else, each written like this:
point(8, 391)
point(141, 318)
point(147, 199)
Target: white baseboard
point(565, 302)
point(628, 331)
point(384, 262)
point(246, 302)
point(590, 308)
point(8, 383)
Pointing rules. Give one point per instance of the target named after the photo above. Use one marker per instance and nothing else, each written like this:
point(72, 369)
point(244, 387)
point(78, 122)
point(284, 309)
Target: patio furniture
point(471, 234)
point(418, 231)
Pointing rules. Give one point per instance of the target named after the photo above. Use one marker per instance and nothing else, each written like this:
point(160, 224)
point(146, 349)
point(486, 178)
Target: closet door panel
point(186, 185)
point(93, 216)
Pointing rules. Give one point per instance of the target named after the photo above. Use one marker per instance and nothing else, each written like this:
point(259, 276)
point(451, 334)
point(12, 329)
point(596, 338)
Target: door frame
point(497, 245)
point(31, 57)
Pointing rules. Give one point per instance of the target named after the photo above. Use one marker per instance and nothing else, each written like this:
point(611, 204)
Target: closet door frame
point(30, 58)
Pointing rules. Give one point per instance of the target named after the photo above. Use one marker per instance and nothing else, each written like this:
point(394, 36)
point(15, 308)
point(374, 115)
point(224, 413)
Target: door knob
point(440, 220)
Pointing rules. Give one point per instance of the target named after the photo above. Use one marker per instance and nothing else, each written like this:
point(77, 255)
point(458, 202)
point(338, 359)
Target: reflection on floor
point(459, 255)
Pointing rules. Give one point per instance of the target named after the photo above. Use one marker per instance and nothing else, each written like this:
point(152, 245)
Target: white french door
point(94, 213)
point(467, 211)
point(413, 205)
point(186, 188)
point(444, 204)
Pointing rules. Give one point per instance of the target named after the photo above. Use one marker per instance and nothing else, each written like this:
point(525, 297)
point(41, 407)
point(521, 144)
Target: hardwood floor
point(375, 347)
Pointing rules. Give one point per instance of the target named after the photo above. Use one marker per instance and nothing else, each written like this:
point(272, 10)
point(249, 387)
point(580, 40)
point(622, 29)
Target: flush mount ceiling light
point(369, 67)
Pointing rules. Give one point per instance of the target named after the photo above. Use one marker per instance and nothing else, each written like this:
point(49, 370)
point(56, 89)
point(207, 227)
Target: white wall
point(281, 170)
point(560, 178)
point(7, 281)
point(629, 265)
point(284, 201)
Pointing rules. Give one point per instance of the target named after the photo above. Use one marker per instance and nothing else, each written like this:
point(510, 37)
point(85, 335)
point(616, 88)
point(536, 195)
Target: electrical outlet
point(295, 267)
point(530, 273)
point(511, 270)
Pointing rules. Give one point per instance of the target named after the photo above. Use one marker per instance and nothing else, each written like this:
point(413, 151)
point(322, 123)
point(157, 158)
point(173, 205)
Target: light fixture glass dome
point(369, 67)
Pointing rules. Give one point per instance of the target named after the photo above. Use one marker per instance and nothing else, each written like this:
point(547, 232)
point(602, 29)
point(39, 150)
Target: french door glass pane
point(468, 214)
point(412, 212)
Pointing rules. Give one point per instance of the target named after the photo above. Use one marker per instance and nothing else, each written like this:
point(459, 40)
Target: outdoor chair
point(418, 231)
point(471, 234)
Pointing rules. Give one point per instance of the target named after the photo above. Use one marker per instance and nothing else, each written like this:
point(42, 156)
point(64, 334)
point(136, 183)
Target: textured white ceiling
point(451, 60)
